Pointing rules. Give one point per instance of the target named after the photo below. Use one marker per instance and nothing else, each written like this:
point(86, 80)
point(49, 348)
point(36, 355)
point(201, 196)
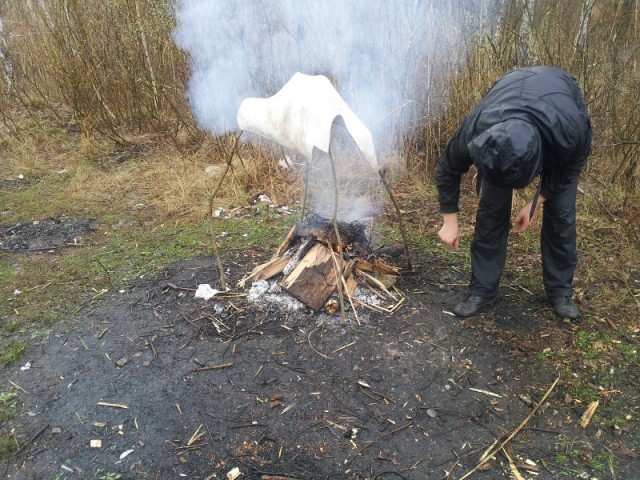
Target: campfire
point(320, 260)
point(327, 263)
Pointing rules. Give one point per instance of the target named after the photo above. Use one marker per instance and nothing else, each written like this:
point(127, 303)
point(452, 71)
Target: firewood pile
point(320, 259)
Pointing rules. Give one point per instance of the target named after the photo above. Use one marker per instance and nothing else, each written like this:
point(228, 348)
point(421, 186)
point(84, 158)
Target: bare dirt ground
point(151, 383)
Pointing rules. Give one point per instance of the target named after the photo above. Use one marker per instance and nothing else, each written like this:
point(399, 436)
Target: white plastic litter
point(300, 115)
point(205, 291)
point(285, 163)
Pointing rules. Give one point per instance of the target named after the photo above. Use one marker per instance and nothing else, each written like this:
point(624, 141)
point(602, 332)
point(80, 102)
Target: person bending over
point(532, 124)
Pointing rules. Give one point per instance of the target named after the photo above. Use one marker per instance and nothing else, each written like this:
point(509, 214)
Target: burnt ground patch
point(168, 386)
point(45, 235)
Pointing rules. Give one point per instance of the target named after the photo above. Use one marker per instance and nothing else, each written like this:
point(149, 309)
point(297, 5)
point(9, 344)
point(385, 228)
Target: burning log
point(314, 279)
point(314, 263)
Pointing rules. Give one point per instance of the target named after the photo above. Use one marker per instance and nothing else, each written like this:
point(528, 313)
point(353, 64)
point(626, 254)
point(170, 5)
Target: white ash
point(364, 295)
point(263, 291)
point(336, 320)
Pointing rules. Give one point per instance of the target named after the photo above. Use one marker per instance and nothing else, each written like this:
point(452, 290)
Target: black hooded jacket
point(549, 99)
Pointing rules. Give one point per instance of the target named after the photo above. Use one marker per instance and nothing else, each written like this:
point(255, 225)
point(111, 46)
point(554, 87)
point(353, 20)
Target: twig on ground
point(343, 347)
point(485, 392)
point(313, 348)
point(512, 466)
point(18, 387)
point(214, 367)
point(376, 440)
point(492, 451)
point(346, 291)
point(32, 439)
point(197, 435)
point(113, 405)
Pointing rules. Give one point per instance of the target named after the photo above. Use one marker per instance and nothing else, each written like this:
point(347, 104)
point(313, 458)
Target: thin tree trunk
point(8, 73)
point(581, 37)
point(526, 40)
point(147, 57)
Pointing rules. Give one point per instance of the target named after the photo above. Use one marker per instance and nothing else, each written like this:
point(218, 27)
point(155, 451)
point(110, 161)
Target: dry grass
point(162, 176)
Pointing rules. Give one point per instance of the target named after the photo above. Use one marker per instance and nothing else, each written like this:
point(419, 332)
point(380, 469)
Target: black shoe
point(565, 307)
point(471, 305)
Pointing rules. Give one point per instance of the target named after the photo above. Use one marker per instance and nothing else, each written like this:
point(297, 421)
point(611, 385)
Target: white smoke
point(381, 55)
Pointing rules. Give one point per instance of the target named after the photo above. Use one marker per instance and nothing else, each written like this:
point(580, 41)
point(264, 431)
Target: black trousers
point(557, 241)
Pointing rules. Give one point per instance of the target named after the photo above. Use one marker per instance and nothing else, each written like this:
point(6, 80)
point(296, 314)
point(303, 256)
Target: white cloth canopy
point(300, 115)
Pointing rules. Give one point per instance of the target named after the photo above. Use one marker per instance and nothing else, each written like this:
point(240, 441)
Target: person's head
point(508, 154)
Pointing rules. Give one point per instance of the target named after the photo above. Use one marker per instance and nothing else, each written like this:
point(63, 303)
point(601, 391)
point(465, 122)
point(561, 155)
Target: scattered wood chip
point(122, 362)
point(233, 473)
point(112, 405)
point(125, 454)
point(197, 435)
point(586, 416)
point(95, 443)
point(485, 392)
point(288, 408)
point(343, 347)
point(214, 367)
point(512, 466)
point(529, 466)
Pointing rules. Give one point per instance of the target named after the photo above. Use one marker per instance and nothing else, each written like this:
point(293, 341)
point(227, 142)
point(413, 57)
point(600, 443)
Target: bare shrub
point(114, 66)
point(112, 62)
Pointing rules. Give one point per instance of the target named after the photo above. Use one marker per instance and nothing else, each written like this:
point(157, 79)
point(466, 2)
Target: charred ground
point(175, 387)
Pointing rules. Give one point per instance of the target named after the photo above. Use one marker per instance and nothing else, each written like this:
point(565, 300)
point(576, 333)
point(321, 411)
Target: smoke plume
point(381, 56)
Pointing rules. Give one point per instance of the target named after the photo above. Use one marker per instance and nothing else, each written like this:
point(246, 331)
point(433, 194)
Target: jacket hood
point(508, 154)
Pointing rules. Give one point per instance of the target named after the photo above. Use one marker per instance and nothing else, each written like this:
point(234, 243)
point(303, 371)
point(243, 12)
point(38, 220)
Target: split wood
point(491, 451)
point(586, 417)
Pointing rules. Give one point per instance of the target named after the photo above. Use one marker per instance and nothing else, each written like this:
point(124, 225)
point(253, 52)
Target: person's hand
point(449, 234)
point(521, 222)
